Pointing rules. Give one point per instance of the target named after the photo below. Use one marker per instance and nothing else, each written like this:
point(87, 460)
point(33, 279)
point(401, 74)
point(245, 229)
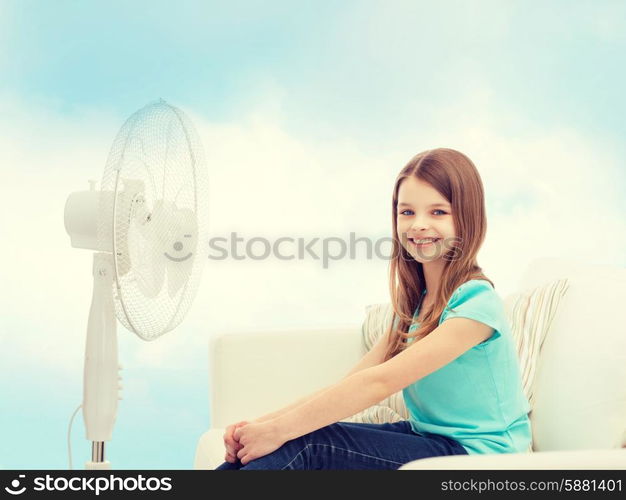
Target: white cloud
point(603, 20)
point(263, 181)
point(266, 181)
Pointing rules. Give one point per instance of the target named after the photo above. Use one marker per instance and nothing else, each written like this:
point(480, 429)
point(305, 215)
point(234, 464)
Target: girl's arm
point(373, 357)
point(366, 387)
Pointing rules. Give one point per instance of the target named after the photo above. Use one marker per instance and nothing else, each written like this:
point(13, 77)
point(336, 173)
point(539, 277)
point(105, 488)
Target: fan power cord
point(69, 433)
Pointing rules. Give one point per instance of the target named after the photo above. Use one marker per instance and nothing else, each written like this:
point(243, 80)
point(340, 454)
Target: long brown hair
point(456, 178)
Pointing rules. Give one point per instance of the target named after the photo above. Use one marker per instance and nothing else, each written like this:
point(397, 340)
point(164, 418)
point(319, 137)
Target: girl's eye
point(437, 210)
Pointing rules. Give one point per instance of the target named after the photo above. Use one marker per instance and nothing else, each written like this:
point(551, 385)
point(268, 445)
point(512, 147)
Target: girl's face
point(423, 213)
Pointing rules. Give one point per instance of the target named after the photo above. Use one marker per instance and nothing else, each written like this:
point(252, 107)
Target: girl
point(456, 364)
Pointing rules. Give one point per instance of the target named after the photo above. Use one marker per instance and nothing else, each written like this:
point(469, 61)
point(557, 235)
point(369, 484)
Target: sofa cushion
point(579, 394)
point(530, 315)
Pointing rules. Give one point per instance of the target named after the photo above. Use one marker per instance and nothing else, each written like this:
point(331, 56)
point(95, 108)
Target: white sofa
point(579, 408)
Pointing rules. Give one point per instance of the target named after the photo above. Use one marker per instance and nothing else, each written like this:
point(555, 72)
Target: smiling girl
point(449, 349)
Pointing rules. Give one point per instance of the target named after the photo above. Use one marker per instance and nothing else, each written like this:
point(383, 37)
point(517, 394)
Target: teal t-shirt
point(477, 399)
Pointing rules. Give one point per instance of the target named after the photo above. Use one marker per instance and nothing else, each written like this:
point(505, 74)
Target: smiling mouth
point(178, 259)
point(421, 245)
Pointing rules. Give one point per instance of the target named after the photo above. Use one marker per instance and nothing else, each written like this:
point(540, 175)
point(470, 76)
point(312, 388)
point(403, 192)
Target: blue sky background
point(307, 111)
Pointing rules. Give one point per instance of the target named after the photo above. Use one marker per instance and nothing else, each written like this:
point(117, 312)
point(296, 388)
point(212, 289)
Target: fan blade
point(148, 265)
point(182, 252)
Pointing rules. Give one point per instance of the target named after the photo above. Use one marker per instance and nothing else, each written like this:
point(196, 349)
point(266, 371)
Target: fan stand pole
point(100, 388)
point(97, 457)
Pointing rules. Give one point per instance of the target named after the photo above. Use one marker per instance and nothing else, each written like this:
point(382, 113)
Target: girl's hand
point(230, 443)
point(258, 439)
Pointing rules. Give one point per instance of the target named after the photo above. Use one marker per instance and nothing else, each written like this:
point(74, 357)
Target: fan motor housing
point(81, 220)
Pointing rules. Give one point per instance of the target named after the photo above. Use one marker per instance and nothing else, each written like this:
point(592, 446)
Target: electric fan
point(148, 227)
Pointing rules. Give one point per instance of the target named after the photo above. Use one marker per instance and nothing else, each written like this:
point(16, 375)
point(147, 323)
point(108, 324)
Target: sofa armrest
point(254, 373)
point(210, 454)
point(210, 450)
point(542, 460)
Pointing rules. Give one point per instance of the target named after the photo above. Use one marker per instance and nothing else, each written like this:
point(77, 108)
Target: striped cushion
point(377, 319)
point(530, 314)
point(377, 414)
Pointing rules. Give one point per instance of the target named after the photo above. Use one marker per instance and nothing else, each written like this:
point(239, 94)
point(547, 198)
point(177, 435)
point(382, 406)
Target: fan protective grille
point(153, 217)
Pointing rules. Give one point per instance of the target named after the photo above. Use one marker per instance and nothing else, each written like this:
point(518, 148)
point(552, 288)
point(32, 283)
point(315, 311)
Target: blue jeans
point(346, 445)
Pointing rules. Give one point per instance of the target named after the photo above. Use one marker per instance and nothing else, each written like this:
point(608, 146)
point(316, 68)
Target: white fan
point(148, 226)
